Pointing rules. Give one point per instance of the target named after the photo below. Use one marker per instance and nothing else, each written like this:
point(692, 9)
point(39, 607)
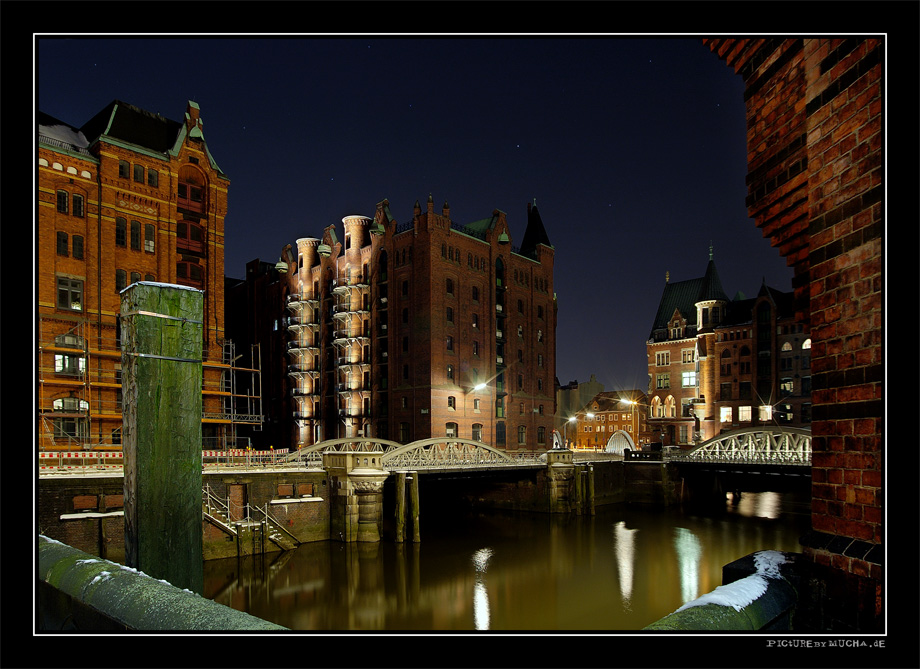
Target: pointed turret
point(535, 233)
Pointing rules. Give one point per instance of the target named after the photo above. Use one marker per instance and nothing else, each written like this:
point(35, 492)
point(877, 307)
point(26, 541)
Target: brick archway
point(814, 119)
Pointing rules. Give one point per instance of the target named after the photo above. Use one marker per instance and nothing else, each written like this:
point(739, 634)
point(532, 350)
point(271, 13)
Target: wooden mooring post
point(161, 435)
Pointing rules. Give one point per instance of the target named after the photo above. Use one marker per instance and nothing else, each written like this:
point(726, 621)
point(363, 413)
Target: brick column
point(815, 189)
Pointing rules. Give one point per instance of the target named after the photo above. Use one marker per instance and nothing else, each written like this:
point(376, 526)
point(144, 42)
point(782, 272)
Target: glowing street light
point(565, 429)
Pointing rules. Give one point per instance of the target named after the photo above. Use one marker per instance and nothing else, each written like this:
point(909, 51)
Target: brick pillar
point(815, 189)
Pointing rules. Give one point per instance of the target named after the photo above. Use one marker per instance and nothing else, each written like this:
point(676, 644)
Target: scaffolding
point(79, 400)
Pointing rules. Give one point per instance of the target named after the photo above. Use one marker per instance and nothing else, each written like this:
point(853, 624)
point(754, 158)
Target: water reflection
point(619, 570)
point(625, 549)
point(689, 551)
point(480, 594)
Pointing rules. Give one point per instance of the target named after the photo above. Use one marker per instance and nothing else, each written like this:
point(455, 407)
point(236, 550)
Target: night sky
point(633, 149)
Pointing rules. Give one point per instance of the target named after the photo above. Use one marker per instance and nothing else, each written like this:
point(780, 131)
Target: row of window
point(64, 248)
point(122, 235)
point(139, 171)
point(70, 291)
point(69, 204)
point(663, 380)
point(452, 430)
point(612, 428)
point(780, 412)
point(189, 237)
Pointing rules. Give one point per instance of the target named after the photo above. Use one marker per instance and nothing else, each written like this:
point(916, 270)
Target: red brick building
point(612, 421)
point(815, 188)
point(718, 364)
point(419, 329)
point(128, 196)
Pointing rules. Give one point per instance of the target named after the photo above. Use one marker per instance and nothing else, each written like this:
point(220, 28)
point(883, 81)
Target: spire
point(710, 250)
point(711, 287)
point(535, 233)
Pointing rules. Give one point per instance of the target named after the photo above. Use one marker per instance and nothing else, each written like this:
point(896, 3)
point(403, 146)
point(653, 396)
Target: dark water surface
point(621, 569)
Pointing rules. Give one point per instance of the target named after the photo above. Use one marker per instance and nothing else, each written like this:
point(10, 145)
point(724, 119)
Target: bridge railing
point(786, 446)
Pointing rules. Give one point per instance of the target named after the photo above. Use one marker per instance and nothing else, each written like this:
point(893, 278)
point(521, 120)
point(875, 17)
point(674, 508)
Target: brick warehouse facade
point(814, 119)
point(129, 196)
point(718, 364)
point(413, 330)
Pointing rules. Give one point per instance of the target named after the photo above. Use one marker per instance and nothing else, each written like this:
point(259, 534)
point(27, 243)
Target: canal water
point(620, 569)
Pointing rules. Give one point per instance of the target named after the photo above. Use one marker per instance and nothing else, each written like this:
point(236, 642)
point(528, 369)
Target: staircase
point(255, 519)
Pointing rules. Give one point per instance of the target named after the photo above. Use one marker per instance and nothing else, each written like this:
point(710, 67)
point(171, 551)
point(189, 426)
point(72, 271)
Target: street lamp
point(565, 429)
point(590, 416)
point(635, 410)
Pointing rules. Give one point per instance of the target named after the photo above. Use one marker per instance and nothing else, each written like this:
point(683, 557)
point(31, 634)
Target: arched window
point(656, 408)
point(522, 434)
point(450, 429)
point(670, 407)
point(477, 431)
point(191, 190)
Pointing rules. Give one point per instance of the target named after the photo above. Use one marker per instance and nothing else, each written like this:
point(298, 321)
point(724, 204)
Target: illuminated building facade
point(426, 328)
point(718, 364)
point(129, 196)
point(612, 421)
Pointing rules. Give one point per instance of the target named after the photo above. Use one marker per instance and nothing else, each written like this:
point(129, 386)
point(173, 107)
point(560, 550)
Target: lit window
point(70, 294)
point(725, 414)
point(149, 234)
point(70, 365)
point(765, 413)
point(688, 379)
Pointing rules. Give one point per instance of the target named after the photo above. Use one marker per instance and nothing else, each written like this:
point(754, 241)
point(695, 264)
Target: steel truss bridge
point(434, 454)
point(754, 446)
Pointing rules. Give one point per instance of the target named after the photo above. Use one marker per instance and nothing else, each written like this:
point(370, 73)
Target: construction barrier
point(63, 462)
point(70, 461)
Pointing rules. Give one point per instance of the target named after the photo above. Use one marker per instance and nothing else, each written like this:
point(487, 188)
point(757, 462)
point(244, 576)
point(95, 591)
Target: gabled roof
point(680, 295)
point(125, 122)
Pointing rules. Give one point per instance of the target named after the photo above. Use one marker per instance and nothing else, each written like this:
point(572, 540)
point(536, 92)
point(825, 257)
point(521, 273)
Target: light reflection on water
point(621, 569)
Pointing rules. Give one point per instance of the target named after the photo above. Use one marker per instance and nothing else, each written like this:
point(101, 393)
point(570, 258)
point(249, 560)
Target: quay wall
point(86, 512)
point(81, 592)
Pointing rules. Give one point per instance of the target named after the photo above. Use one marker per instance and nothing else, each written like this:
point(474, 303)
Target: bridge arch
point(447, 451)
point(434, 451)
point(619, 441)
point(774, 444)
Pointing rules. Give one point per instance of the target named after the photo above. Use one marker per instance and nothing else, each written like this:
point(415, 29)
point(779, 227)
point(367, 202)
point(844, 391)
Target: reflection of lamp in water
point(689, 551)
point(625, 548)
point(480, 595)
